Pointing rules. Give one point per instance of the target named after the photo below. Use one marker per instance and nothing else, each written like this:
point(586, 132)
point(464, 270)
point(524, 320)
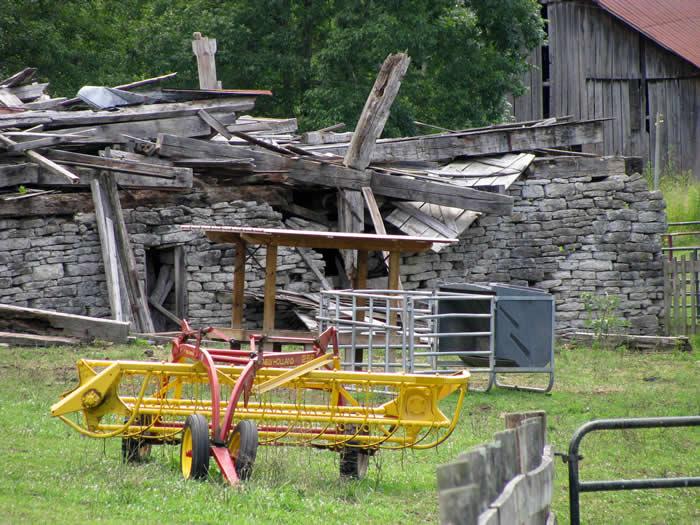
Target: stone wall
point(56, 262)
point(578, 225)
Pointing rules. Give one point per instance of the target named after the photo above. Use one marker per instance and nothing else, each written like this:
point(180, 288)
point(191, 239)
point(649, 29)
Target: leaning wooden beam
point(109, 254)
point(312, 172)
point(43, 161)
point(351, 210)
point(484, 142)
point(216, 124)
point(134, 286)
point(47, 322)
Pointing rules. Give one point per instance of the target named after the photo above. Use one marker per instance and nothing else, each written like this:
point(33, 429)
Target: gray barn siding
point(598, 69)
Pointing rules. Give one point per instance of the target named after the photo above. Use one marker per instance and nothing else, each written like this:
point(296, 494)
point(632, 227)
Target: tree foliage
point(319, 57)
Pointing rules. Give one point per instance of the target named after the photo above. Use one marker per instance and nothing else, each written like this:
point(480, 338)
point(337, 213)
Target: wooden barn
point(629, 60)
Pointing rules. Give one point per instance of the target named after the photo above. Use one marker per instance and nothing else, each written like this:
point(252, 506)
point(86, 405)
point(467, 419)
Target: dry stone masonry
point(578, 225)
point(56, 263)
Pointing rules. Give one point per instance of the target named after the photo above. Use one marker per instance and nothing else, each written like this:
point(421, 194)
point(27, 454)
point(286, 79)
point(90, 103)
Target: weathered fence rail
point(508, 481)
point(681, 285)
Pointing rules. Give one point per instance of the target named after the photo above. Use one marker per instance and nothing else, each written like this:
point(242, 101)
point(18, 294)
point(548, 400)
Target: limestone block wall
point(578, 225)
point(56, 262)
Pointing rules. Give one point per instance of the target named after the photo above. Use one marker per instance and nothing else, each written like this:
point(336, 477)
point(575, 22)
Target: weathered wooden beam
point(351, 215)
point(409, 189)
point(63, 119)
point(270, 287)
point(376, 110)
point(15, 339)
point(48, 322)
point(205, 50)
point(134, 286)
point(310, 171)
point(61, 204)
point(215, 123)
point(105, 230)
point(483, 142)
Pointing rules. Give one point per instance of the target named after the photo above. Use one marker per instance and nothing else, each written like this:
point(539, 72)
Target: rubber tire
point(198, 426)
point(247, 434)
point(354, 462)
point(136, 449)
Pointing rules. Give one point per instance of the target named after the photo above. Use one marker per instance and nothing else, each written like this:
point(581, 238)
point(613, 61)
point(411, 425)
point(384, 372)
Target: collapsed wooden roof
point(428, 186)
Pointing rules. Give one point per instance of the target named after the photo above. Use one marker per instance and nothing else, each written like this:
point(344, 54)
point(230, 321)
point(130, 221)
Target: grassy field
point(50, 474)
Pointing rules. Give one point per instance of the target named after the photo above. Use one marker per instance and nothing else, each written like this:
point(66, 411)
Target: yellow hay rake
point(224, 403)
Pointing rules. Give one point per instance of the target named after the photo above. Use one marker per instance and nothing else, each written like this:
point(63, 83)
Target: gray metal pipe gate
point(394, 330)
point(576, 486)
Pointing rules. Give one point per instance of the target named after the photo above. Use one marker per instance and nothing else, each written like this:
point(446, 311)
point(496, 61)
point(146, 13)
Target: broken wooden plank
point(20, 339)
point(351, 210)
point(28, 92)
point(447, 146)
point(376, 110)
point(21, 77)
point(261, 124)
point(43, 161)
point(216, 124)
point(9, 99)
point(633, 342)
point(48, 322)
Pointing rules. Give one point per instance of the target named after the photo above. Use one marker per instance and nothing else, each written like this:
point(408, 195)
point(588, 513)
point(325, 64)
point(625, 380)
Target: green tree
point(319, 57)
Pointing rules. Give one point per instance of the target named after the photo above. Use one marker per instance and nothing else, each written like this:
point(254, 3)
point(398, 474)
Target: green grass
point(682, 195)
point(50, 474)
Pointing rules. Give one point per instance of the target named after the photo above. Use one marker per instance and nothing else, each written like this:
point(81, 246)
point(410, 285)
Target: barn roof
point(673, 24)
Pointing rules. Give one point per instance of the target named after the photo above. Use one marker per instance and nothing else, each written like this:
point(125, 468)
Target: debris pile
point(61, 156)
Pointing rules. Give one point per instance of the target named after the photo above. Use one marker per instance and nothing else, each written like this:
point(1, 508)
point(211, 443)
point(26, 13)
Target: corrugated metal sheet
point(673, 24)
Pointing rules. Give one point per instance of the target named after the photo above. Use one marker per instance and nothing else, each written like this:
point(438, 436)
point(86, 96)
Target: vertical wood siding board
point(553, 60)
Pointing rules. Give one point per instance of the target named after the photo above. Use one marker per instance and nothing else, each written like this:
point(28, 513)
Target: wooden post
point(270, 288)
point(394, 279)
point(180, 278)
point(361, 273)
point(205, 50)
point(369, 127)
point(658, 125)
point(238, 286)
